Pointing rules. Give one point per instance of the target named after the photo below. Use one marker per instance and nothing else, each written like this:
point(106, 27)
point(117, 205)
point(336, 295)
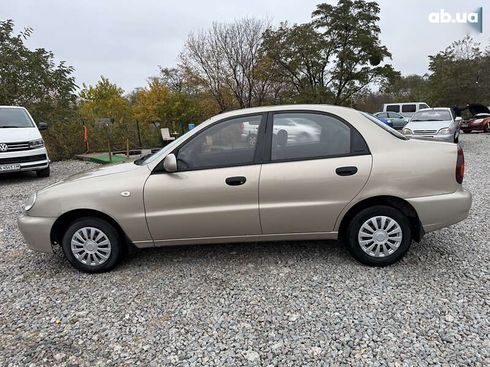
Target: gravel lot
point(295, 303)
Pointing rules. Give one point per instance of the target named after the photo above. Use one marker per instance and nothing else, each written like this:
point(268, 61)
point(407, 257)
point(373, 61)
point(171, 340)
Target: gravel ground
point(287, 304)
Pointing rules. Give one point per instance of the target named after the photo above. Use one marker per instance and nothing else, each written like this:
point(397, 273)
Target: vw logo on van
point(3, 147)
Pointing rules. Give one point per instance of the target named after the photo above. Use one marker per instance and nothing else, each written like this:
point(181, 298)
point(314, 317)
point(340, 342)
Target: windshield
point(14, 118)
point(432, 115)
point(384, 126)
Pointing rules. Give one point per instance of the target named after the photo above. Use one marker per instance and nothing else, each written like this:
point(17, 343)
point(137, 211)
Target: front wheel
point(456, 138)
point(378, 236)
point(92, 245)
point(486, 129)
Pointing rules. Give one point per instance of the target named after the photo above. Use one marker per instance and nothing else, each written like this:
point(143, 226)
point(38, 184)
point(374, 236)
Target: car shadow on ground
point(328, 253)
point(17, 177)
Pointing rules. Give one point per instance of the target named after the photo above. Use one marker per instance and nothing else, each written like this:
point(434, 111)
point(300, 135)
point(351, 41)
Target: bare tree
point(227, 60)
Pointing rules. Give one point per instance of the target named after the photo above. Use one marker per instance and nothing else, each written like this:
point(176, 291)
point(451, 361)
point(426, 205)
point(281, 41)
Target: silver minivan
point(21, 144)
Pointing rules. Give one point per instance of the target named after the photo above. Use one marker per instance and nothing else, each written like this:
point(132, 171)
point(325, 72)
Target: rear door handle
point(346, 171)
point(236, 181)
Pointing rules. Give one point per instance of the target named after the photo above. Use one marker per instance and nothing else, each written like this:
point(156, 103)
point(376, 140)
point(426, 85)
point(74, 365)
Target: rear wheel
point(379, 235)
point(44, 172)
point(92, 245)
point(456, 138)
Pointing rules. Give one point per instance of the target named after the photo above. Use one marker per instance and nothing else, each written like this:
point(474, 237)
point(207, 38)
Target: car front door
point(305, 183)
point(214, 192)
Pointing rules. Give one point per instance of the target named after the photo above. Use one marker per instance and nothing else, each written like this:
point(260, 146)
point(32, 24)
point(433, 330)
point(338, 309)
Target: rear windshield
point(432, 115)
point(14, 118)
point(384, 126)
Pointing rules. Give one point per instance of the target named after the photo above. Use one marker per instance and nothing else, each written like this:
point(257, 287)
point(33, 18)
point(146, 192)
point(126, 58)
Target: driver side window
point(228, 143)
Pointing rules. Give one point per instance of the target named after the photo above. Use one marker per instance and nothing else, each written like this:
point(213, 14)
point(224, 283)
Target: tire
point(393, 249)
point(486, 128)
point(83, 255)
point(44, 172)
point(456, 138)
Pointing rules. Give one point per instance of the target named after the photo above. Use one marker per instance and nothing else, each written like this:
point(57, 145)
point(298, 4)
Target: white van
point(406, 109)
point(21, 144)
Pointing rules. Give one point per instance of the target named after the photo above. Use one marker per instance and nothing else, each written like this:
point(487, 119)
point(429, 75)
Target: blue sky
point(126, 40)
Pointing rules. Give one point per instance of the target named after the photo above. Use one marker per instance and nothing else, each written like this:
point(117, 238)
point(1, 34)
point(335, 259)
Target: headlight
point(407, 131)
point(39, 143)
point(30, 202)
point(444, 131)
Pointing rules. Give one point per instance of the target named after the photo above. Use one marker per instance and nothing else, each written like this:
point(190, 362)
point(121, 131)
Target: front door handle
point(236, 181)
point(346, 171)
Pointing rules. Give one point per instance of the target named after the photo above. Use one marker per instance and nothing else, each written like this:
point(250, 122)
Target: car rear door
point(305, 184)
point(214, 192)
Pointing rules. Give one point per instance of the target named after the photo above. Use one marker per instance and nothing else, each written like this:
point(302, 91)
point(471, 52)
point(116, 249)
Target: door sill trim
point(247, 238)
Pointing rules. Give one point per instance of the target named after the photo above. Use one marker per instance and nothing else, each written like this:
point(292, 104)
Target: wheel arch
point(395, 202)
point(61, 224)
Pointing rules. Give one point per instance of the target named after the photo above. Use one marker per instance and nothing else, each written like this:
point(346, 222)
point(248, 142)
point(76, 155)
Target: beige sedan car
point(357, 180)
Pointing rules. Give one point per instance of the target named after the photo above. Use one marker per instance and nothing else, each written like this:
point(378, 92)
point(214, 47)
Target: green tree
point(407, 88)
point(106, 100)
point(333, 58)
point(458, 75)
point(32, 79)
point(173, 108)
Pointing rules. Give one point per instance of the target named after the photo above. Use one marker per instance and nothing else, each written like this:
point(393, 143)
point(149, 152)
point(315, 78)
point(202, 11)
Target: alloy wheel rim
point(380, 236)
point(91, 246)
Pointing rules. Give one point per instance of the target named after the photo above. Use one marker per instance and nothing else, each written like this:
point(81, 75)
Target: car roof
point(19, 107)
point(402, 103)
point(290, 107)
point(435, 108)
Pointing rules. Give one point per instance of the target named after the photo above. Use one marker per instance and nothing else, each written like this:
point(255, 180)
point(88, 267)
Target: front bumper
point(25, 160)
point(470, 127)
point(37, 232)
point(439, 211)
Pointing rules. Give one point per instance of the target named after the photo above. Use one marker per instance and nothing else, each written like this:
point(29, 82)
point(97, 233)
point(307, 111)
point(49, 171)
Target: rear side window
point(304, 135)
point(409, 108)
point(393, 108)
point(423, 105)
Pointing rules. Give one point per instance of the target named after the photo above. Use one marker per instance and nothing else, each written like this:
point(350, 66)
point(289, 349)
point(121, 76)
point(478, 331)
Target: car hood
point(112, 169)
point(17, 135)
point(477, 108)
point(427, 125)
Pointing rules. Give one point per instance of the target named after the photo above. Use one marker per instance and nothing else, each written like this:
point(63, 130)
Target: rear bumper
point(439, 211)
point(37, 232)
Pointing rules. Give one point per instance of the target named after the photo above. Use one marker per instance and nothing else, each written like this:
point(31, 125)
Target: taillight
point(460, 165)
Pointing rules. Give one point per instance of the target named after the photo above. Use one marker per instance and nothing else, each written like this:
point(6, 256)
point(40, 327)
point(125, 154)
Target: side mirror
point(42, 126)
point(170, 163)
